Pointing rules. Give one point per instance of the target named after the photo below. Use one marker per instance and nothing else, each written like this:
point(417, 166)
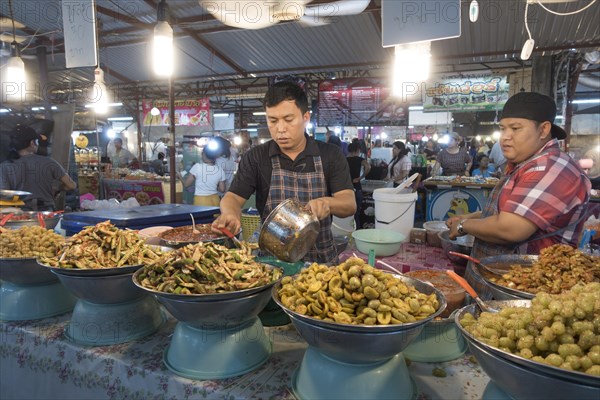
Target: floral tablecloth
point(410, 257)
point(37, 361)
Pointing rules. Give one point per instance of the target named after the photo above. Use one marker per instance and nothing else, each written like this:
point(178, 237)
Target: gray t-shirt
point(32, 173)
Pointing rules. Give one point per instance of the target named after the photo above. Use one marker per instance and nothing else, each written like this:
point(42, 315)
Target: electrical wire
point(563, 14)
point(526, 23)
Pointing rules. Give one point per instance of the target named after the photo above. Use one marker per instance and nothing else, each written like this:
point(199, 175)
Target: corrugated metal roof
point(352, 42)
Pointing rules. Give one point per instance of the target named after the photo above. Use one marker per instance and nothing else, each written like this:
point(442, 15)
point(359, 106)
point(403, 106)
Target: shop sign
point(189, 112)
point(145, 192)
point(358, 102)
point(476, 92)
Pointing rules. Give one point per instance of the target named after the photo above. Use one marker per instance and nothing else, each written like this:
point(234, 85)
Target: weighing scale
point(28, 291)
point(493, 392)
point(12, 198)
point(110, 309)
point(218, 335)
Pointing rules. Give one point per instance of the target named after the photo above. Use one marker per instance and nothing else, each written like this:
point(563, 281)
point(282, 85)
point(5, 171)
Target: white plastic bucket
point(395, 212)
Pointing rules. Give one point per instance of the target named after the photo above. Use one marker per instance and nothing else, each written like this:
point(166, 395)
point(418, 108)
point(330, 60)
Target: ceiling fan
point(262, 14)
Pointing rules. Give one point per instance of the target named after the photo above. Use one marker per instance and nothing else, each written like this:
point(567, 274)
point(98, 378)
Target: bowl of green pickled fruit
point(547, 347)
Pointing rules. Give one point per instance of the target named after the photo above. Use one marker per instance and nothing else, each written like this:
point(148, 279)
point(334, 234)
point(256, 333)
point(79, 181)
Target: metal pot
point(289, 231)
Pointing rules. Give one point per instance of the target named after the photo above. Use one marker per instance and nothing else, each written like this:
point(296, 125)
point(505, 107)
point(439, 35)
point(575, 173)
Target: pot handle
point(372, 257)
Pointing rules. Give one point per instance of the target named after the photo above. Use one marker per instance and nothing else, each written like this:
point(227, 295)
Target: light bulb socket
point(162, 11)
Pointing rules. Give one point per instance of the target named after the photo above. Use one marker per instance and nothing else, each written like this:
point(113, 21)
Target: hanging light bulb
point(411, 66)
point(15, 68)
point(155, 111)
point(162, 52)
point(474, 11)
point(100, 95)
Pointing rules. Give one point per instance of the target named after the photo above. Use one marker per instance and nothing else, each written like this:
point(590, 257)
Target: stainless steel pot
point(289, 231)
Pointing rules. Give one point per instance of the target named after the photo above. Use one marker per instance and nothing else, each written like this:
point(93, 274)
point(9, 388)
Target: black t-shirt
point(254, 171)
point(355, 165)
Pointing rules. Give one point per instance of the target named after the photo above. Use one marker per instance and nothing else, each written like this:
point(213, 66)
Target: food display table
point(38, 362)
point(410, 257)
point(451, 196)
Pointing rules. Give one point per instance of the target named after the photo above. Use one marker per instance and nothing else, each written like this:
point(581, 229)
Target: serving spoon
point(194, 230)
point(231, 236)
point(465, 285)
point(476, 261)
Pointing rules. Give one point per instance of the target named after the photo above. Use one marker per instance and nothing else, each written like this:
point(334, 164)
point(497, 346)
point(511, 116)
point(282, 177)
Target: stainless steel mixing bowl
point(289, 231)
point(213, 311)
point(523, 378)
point(31, 219)
point(112, 289)
point(361, 343)
point(24, 271)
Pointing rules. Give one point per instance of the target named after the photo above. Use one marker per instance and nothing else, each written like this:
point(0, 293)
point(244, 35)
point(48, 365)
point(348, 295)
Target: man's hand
point(320, 208)
point(229, 221)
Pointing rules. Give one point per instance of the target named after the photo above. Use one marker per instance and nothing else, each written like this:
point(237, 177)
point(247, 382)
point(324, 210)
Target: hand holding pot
point(319, 207)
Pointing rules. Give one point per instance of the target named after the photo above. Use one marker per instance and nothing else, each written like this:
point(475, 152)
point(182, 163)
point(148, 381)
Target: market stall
point(449, 196)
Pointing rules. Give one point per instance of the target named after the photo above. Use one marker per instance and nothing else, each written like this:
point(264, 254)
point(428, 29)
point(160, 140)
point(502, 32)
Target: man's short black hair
point(284, 90)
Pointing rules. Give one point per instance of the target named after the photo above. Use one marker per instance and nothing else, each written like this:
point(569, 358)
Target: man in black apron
point(292, 165)
point(542, 198)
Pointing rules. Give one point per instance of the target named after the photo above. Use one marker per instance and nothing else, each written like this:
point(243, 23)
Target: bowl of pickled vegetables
point(207, 285)
point(549, 342)
point(355, 306)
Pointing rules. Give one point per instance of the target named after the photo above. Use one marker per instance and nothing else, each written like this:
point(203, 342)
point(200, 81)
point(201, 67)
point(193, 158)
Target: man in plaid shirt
point(540, 201)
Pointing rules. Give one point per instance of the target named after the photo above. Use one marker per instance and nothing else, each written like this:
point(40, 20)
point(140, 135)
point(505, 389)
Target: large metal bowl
point(203, 297)
point(31, 219)
point(217, 314)
point(111, 289)
point(24, 271)
point(502, 264)
point(92, 272)
point(521, 377)
point(360, 343)
point(13, 195)
point(289, 231)
point(462, 244)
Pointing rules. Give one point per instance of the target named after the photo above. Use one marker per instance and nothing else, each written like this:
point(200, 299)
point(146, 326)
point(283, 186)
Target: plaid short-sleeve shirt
point(551, 191)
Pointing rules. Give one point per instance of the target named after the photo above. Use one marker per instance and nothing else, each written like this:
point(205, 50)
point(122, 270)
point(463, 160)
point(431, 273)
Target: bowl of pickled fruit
point(355, 306)
point(546, 347)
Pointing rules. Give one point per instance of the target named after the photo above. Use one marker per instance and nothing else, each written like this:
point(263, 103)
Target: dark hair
point(210, 154)
point(353, 147)
point(115, 140)
point(161, 155)
point(282, 91)
point(480, 157)
point(20, 139)
point(333, 139)
point(403, 151)
point(224, 146)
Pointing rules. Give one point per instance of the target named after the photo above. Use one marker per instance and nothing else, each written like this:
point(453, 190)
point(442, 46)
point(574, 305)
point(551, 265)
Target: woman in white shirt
point(400, 165)
point(227, 160)
point(209, 179)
